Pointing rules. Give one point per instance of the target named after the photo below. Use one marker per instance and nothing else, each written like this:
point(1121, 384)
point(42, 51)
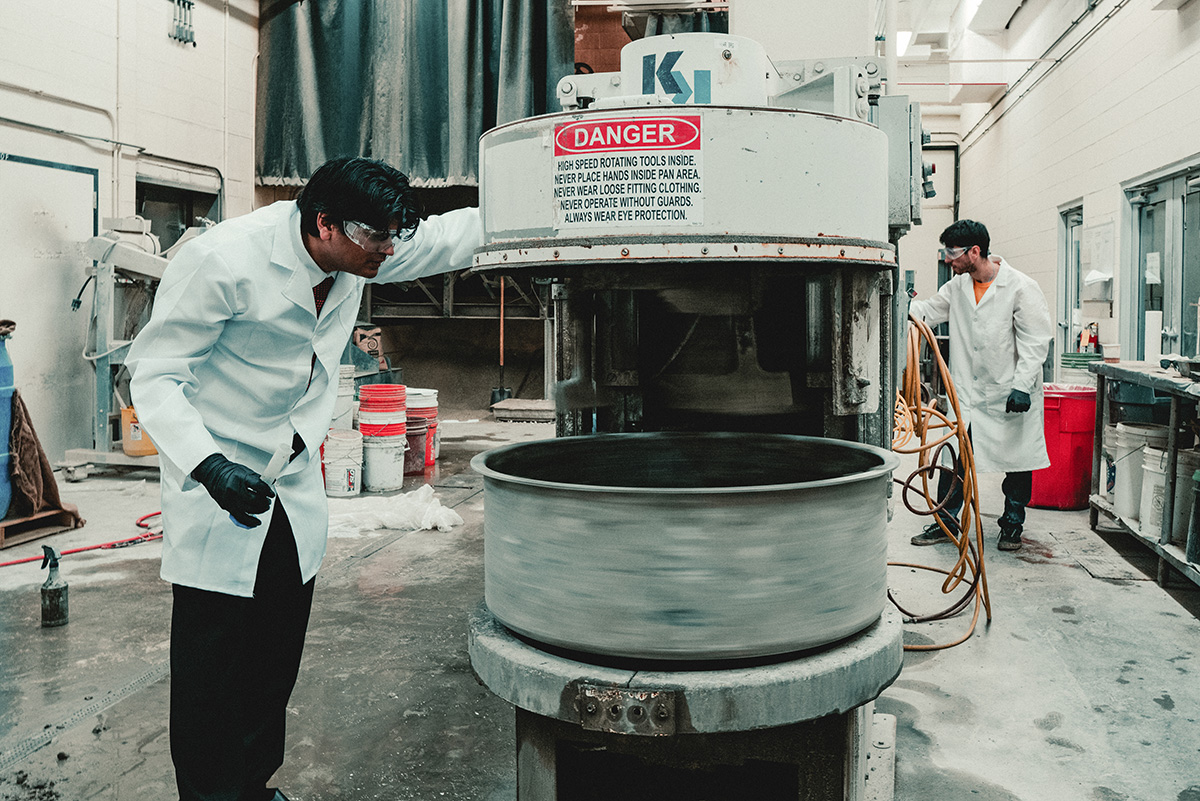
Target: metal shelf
point(1169, 552)
point(1180, 391)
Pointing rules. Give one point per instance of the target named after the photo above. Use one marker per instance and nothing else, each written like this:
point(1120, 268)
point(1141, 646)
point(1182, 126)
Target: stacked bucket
point(383, 423)
point(394, 435)
point(423, 404)
point(342, 452)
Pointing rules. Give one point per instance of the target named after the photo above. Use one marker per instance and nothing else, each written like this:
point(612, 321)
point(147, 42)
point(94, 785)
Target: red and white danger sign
point(631, 172)
point(641, 133)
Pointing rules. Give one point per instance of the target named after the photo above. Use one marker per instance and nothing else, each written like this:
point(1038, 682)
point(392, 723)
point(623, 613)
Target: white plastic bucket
point(1108, 475)
point(1188, 462)
point(383, 463)
point(343, 411)
point(342, 457)
point(1078, 376)
point(1151, 510)
point(1132, 439)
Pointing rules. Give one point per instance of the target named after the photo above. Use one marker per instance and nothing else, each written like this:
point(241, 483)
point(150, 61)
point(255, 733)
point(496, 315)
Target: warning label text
point(609, 183)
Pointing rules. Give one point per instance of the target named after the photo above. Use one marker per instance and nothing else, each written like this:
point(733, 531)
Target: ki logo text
point(663, 73)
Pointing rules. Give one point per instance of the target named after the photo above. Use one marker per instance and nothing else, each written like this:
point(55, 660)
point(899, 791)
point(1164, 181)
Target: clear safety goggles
point(371, 239)
point(951, 253)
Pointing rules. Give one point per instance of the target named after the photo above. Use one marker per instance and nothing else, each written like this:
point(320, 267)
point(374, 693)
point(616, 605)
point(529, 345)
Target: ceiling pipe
point(890, 40)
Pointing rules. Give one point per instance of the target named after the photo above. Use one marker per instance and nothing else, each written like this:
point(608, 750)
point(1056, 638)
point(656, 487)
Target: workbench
point(1185, 558)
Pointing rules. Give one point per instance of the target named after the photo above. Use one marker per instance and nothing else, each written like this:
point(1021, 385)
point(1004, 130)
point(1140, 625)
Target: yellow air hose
point(920, 423)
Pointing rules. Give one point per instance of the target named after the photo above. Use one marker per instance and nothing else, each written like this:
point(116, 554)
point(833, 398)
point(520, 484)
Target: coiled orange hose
point(932, 431)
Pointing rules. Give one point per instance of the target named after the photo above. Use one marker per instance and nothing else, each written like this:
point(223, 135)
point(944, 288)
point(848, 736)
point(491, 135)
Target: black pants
point(233, 665)
point(1017, 488)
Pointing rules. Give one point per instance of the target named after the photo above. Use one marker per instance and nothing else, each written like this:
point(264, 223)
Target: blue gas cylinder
point(6, 393)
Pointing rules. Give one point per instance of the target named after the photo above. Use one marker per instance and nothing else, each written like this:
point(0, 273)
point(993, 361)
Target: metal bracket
point(619, 710)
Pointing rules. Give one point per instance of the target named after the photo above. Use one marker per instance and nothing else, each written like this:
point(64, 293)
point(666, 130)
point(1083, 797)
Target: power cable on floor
point(152, 533)
point(920, 421)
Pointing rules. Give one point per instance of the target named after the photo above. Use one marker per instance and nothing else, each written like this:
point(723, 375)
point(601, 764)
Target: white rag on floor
point(419, 509)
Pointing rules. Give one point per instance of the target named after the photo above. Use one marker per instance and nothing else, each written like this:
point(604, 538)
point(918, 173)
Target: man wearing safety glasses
point(235, 379)
point(999, 334)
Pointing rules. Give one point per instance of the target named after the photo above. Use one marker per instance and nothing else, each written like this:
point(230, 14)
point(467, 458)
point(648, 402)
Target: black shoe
point(1010, 540)
point(933, 535)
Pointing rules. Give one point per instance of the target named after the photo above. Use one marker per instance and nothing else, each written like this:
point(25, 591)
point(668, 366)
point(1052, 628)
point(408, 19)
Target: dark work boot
point(1010, 539)
point(1011, 524)
point(933, 534)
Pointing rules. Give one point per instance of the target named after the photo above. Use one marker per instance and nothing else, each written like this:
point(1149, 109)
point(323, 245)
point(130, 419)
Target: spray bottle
point(54, 591)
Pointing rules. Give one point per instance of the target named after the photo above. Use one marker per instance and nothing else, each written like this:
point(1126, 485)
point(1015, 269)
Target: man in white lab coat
point(239, 364)
point(999, 334)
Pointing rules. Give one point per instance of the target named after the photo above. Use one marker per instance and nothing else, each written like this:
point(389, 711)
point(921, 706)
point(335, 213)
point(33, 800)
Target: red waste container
point(1070, 423)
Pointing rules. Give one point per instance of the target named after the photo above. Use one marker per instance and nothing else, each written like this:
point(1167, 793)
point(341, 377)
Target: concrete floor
point(1083, 687)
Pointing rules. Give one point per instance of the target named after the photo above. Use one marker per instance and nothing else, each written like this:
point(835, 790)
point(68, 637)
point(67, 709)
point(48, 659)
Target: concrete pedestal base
point(848, 757)
point(799, 729)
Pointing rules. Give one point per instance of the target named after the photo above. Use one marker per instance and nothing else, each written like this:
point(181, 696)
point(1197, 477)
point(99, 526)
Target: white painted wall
point(1124, 104)
point(798, 29)
point(102, 72)
point(918, 249)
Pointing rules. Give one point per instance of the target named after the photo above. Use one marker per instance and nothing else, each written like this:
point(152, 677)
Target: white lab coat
point(995, 347)
point(223, 367)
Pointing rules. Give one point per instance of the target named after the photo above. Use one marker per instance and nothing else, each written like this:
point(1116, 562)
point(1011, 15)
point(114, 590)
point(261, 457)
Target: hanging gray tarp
point(411, 82)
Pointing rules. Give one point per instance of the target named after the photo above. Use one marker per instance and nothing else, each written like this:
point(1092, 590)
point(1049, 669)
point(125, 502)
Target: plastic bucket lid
point(1137, 434)
point(382, 391)
point(1187, 461)
point(382, 431)
point(340, 443)
point(384, 442)
point(378, 416)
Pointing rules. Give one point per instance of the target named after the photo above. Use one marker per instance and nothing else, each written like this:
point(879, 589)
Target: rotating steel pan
point(686, 546)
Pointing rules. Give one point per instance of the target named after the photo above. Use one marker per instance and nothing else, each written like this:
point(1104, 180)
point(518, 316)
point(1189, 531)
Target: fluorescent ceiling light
point(902, 40)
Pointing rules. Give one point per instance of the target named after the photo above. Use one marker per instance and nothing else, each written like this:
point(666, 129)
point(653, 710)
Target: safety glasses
point(951, 253)
point(371, 239)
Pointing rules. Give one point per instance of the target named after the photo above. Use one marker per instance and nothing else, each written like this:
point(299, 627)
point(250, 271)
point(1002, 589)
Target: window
point(1070, 315)
point(1166, 216)
point(172, 210)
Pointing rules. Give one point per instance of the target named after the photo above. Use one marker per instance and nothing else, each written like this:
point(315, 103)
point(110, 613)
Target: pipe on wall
point(891, 37)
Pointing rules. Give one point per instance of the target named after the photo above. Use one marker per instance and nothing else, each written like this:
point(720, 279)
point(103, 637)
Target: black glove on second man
point(1018, 401)
point(236, 488)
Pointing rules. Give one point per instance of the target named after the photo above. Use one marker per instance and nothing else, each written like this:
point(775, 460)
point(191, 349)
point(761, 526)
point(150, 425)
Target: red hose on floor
point(150, 535)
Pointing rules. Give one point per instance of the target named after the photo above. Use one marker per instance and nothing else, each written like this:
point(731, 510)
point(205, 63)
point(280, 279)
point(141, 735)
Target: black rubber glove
point(236, 488)
point(1018, 401)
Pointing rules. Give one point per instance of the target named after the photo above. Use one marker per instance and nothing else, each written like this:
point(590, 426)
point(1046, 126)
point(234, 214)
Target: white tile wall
point(107, 69)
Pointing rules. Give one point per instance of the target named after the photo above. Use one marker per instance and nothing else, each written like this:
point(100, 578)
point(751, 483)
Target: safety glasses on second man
point(951, 253)
point(371, 239)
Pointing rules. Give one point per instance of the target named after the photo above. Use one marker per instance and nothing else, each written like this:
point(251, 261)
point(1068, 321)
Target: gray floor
point(1081, 688)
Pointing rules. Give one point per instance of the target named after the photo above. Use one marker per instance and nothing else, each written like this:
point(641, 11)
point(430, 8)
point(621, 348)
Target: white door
point(49, 211)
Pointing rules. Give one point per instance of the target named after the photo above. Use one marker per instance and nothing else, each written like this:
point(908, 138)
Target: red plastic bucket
point(1070, 425)
point(381, 397)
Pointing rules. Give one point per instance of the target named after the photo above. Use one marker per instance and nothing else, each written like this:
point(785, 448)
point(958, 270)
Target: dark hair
point(363, 190)
point(965, 233)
